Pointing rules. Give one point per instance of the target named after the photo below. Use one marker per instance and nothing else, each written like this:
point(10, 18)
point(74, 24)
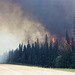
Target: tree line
point(57, 55)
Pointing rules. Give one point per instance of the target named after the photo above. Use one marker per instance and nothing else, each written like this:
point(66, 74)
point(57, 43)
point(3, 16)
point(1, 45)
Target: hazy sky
point(55, 15)
point(21, 20)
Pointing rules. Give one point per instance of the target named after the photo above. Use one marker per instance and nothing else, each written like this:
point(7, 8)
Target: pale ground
point(6, 69)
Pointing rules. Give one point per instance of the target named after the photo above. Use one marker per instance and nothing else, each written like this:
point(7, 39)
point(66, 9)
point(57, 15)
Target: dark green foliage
point(45, 55)
point(67, 37)
point(73, 58)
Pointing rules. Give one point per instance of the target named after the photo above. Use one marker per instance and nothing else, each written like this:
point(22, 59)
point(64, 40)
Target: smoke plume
point(17, 26)
point(56, 15)
point(22, 20)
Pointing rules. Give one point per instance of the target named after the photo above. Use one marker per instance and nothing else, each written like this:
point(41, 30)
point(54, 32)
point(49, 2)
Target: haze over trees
point(59, 54)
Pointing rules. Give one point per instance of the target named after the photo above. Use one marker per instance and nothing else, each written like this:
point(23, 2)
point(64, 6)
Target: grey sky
point(55, 15)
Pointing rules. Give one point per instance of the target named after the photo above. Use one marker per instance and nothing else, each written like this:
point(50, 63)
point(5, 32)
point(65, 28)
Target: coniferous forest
point(56, 54)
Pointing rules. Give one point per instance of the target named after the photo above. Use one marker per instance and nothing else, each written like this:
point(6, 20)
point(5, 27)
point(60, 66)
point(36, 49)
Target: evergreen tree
point(54, 53)
point(24, 55)
point(74, 28)
point(50, 55)
point(73, 58)
point(33, 55)
point(38, 51)
point(28, 52)
point(20, 52)
point(46, 53)
point(16, 57)
point(10, 56)
point(67, 37)
point(44, 56)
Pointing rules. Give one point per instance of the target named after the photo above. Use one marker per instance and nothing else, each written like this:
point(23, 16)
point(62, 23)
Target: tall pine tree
point(67, 37)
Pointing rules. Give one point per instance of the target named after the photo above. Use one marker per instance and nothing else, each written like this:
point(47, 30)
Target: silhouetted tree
point(24, 55)
point(28, 53)
point(45, 55)
point(67, 37)
point(20, 52)
point(50, 55)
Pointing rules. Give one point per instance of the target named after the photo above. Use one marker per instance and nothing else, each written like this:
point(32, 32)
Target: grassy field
point(69, 70)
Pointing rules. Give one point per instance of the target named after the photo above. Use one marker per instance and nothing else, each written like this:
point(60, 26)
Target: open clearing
point(6, 69)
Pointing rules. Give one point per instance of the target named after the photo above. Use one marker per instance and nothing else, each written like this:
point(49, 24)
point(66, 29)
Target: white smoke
point(15, 27)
